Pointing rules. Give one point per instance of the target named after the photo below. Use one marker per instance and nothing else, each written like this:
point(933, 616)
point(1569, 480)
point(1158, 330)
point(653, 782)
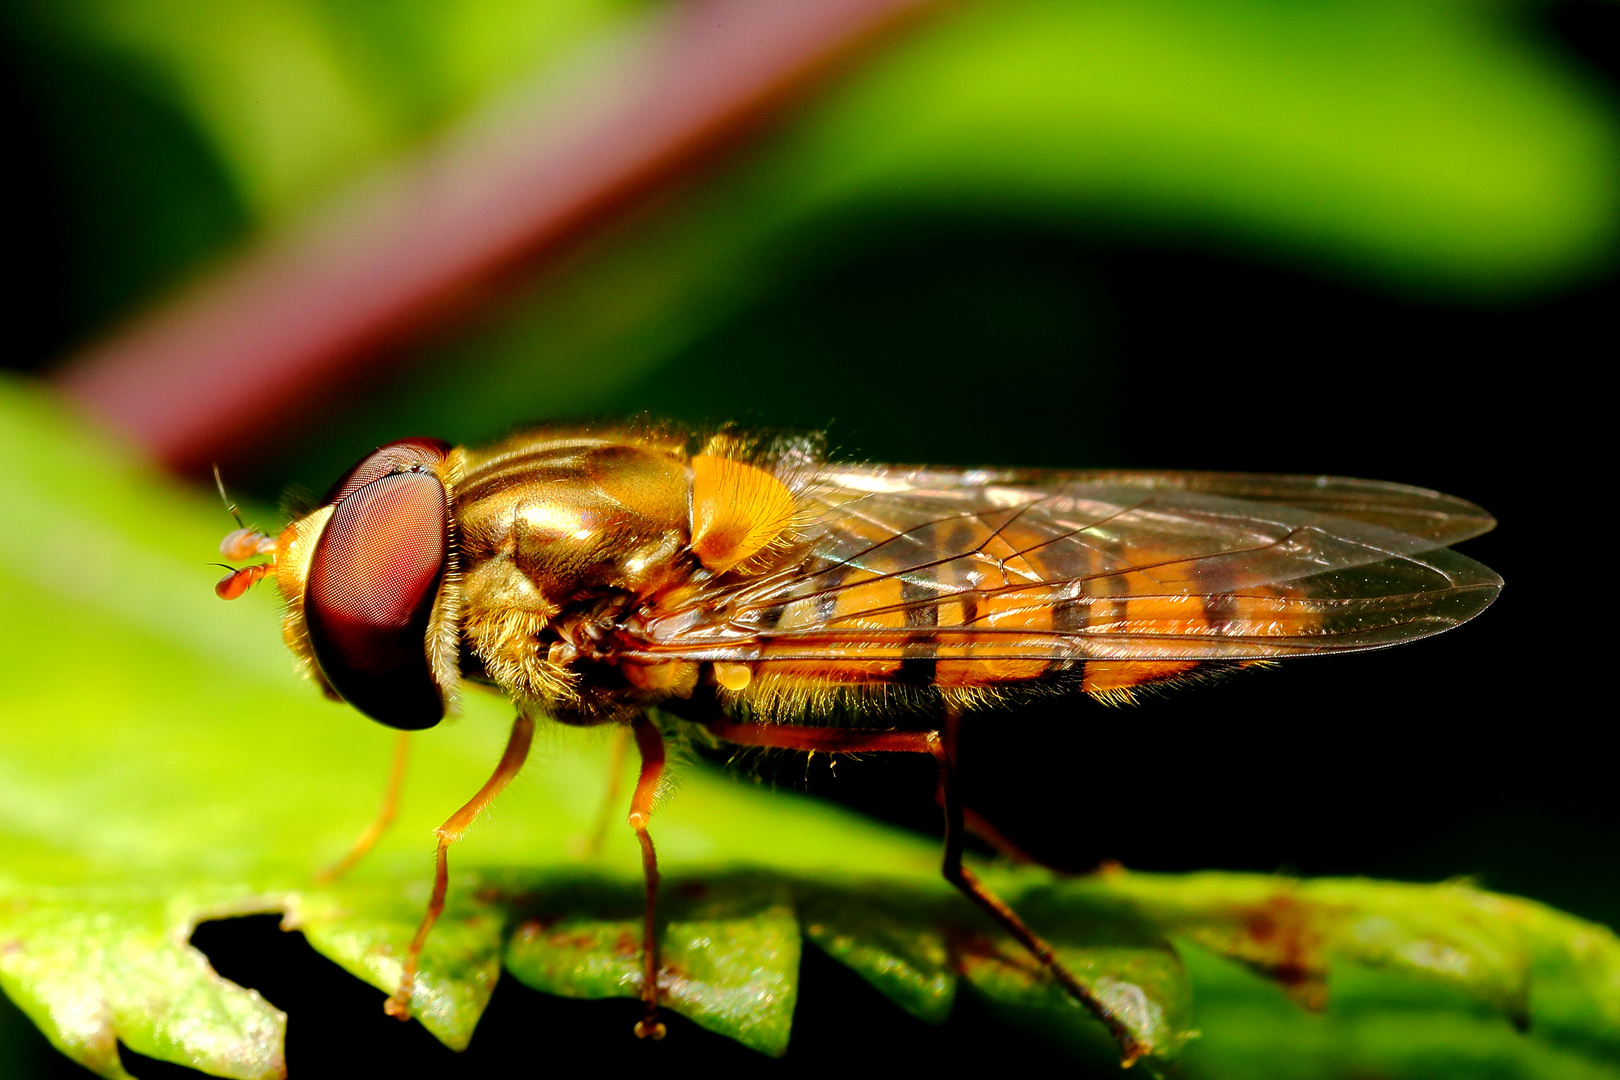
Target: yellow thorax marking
point(737, 511)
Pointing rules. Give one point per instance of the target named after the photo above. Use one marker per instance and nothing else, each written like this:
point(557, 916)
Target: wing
point(1415, 511)
point(1000, 575)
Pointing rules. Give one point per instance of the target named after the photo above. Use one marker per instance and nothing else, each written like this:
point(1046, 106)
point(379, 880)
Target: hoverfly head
point(369, 582)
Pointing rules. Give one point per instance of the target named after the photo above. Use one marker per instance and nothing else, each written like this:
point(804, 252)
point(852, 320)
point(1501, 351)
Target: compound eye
point(403, 456)
point(370, 592)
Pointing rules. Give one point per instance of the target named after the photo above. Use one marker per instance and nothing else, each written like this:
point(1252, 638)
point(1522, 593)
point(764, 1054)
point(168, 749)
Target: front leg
point(517, 751)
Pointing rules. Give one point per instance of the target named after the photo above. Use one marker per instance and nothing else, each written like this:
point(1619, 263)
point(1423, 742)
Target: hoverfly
point(750, 586)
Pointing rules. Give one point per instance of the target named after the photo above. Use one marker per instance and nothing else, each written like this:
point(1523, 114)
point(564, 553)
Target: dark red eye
point(396, 457)
point(372, 582)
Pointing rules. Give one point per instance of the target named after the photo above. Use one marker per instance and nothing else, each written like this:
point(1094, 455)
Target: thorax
point(556, 522)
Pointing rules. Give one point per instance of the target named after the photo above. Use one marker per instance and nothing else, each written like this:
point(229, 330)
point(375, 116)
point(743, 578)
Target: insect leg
point(855, 741)
point(968, 882)
point(651, 745)
point(976, 823)
point(517, 750)
point(610, 798)
point(385, 814)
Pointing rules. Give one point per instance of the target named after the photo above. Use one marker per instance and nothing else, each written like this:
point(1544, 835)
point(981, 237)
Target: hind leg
point(857, 741)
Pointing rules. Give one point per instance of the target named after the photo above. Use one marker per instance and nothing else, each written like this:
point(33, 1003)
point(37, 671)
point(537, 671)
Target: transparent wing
point(989, 566)
point(1415, 511)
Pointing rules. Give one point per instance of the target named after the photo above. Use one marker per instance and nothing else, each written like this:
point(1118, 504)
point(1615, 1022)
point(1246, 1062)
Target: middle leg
point(592, 846)
point(651, 745)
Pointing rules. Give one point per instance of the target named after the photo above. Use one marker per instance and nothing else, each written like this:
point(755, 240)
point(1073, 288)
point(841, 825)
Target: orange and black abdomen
point(978, 601)
point(964, 580)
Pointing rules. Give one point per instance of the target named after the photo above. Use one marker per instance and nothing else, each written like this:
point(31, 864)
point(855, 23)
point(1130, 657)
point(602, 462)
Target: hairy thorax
point(558, 540)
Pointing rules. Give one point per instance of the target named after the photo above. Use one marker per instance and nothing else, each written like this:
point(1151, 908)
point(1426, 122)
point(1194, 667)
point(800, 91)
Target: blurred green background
point(1375, 237)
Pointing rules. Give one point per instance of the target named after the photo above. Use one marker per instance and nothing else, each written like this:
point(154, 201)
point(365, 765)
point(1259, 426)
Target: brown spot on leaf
point(575, 940)
point(1283, 939)
point(533, 927)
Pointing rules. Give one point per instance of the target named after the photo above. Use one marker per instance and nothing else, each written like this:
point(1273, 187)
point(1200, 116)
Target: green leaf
point(160, 765)
point(58, 949)
point(1374, 1025)
point(1123, 959)
point(893, 940)
point(1444, 933)
point(367, 927)
point(729, 952)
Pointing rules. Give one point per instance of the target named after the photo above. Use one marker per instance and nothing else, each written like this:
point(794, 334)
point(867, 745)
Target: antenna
point(230, 507)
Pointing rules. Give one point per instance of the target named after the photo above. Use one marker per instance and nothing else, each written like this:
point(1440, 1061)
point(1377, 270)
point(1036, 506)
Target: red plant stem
point(242, 359)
